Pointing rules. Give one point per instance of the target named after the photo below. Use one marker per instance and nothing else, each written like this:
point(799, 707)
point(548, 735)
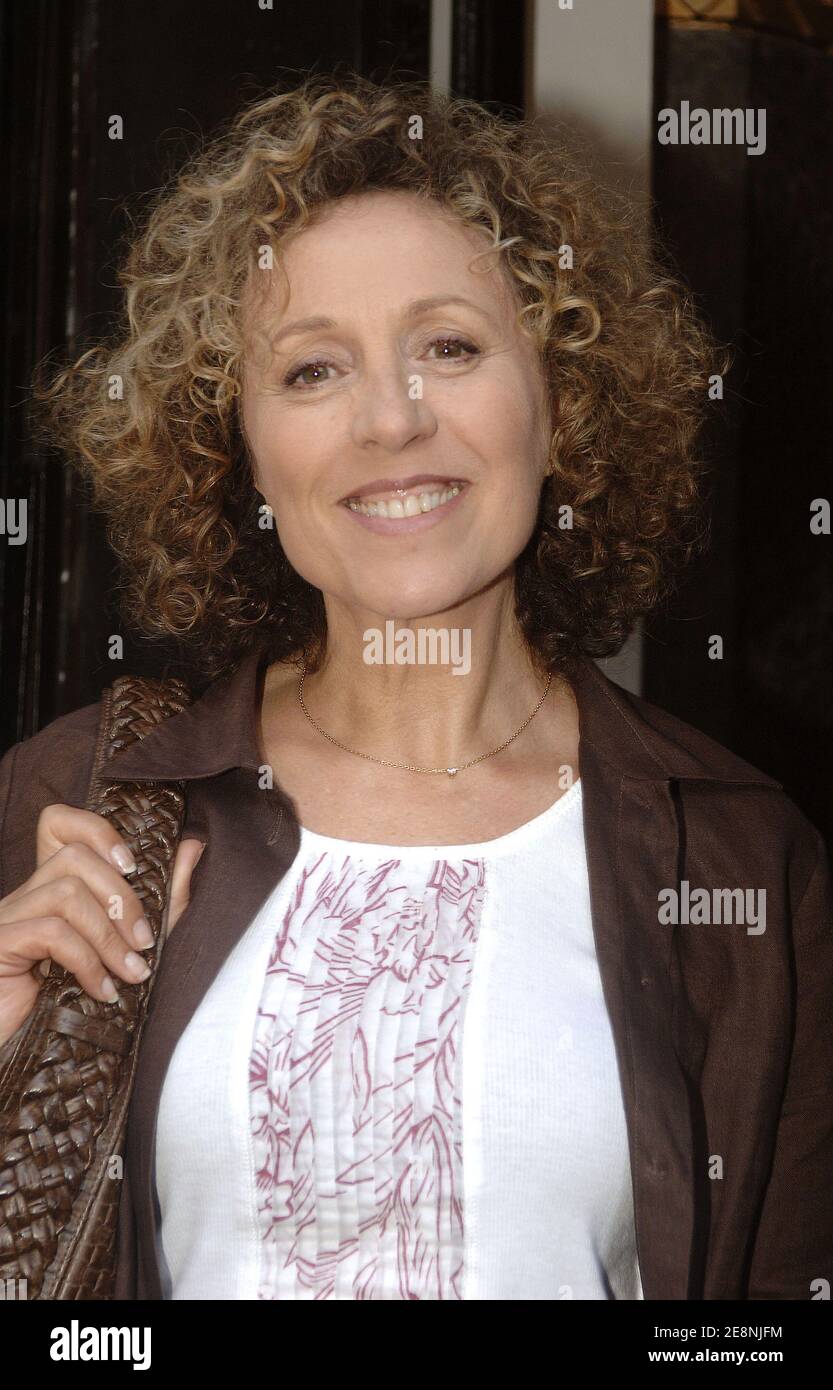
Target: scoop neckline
point(498, 845)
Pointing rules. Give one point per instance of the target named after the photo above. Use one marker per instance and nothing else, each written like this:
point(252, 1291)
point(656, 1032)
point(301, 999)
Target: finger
point(71, 900)
point(121, 902)
point(60, 825)
point(187, 858)
point(23, 942)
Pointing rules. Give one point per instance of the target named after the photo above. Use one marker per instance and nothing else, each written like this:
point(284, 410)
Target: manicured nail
point(142, 934)
point(108, 989)
point(122, 857)
point(136, 968)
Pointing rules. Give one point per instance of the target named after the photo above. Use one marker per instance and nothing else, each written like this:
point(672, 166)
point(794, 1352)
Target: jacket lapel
point(252, 838)
point(631, 765)
point(632, 849)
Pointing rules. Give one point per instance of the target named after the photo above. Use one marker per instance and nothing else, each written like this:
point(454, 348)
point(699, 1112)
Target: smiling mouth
point(406, 501)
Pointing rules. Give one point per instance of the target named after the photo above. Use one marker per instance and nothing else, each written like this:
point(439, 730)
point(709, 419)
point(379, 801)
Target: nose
point(390, 408)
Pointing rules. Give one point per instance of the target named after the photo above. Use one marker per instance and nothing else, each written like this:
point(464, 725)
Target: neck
point(433, 691)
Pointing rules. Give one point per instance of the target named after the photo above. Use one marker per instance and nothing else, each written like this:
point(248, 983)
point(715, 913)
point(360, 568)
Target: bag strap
point(66, 1086)
point(148, 817)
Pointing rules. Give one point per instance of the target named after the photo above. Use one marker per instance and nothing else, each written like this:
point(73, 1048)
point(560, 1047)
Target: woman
point(396, 385)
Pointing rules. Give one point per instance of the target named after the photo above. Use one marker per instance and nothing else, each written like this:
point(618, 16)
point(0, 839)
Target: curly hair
point(151, 415)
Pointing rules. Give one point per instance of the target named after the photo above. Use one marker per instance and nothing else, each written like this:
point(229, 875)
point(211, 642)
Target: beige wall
point(592, 67)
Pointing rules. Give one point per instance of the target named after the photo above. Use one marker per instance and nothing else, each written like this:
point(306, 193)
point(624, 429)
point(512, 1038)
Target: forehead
point(380, 246)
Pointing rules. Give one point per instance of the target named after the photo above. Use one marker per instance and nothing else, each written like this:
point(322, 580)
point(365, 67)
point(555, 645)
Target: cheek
point(515, 444)
point(274, 445)
point(506, 413)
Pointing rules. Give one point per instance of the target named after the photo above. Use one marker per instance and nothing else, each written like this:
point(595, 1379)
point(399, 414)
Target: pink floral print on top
point(354, 1081)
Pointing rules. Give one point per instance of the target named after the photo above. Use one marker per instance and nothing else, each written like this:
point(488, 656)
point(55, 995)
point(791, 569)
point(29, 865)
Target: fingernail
point(122, 857)
point(142, 934)
point(108, 989)
point(136, 968)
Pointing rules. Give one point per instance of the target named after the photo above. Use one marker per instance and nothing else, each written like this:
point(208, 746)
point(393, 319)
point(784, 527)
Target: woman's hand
point(77, 908)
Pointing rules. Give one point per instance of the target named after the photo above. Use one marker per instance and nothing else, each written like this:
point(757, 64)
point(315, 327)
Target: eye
point(445, 343)
point(452, 350)
point(296, 372)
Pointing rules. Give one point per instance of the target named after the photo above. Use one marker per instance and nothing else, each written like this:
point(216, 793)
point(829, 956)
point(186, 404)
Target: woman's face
point(373, 395)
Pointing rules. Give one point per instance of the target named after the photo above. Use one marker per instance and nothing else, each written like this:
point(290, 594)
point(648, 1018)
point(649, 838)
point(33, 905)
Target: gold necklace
point(409, 767)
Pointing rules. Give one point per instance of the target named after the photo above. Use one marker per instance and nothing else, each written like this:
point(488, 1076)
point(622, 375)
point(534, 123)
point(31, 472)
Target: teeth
point(411, 505)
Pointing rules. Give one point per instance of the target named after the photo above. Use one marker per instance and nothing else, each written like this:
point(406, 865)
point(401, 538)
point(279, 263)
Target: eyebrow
point(412, 311)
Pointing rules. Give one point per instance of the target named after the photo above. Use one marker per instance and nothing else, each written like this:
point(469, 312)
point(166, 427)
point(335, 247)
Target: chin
point(407, 602)
point(400, 611)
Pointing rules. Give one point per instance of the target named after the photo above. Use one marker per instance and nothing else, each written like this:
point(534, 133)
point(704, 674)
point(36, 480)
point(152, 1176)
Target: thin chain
point(410, 767)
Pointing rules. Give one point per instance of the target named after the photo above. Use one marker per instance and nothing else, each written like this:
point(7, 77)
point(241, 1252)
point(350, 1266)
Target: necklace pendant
point(452, 771)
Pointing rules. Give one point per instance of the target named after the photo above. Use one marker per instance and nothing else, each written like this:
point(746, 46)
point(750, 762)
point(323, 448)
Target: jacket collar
point(221, 730)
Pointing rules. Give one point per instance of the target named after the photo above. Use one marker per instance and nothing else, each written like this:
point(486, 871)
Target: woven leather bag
point(67, 1074)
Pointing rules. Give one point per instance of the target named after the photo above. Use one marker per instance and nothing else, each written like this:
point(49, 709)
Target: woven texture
point(65, 1088)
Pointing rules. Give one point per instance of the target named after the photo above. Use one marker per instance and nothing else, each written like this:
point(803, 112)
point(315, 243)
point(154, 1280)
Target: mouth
point(406, 498)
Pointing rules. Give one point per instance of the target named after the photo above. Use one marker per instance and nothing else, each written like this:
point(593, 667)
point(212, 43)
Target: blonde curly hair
point(152, 415)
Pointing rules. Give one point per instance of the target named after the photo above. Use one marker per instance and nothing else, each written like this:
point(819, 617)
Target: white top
point(402, 1084)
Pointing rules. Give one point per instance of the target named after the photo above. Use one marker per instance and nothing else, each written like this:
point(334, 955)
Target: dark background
point(752, 236)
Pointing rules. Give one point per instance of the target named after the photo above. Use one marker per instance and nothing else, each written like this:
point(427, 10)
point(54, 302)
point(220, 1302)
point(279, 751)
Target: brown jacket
point(724, 1034)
